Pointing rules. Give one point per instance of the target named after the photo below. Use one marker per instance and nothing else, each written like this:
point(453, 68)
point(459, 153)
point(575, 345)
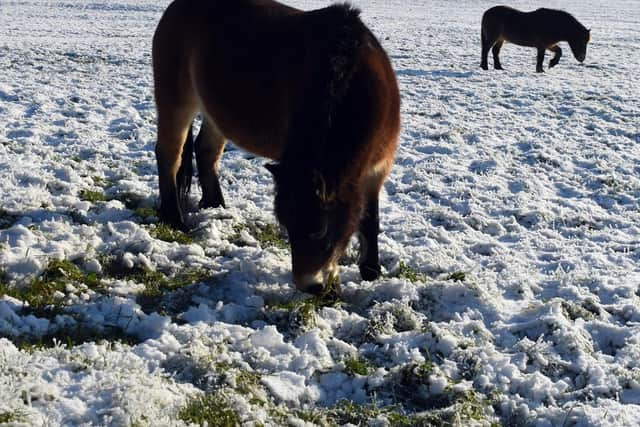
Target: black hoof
point(173, 222)
point(204, 204)
point(484, 66)
point(369, 273)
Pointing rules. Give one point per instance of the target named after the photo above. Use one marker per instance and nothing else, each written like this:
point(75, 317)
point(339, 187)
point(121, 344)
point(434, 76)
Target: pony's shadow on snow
point(435, 73)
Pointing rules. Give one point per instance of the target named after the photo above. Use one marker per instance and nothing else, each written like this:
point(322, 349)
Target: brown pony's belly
point(251, 108)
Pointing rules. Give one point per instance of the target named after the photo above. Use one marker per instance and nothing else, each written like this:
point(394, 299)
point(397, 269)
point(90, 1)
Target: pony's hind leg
point(496, 54)
point(209, 147)
point(370, 223)
point(173, 129)
point(540, 60)
point(556, 58)
point(369, 228)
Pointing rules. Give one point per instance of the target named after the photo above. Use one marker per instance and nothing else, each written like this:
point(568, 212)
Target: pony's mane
point(566, 14)
point(338, 34)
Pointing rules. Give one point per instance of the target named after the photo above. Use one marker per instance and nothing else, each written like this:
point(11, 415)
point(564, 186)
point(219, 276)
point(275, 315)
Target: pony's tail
point(185, 172)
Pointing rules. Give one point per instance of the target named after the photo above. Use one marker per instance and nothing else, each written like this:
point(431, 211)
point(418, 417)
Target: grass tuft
point(166, 233)
point(92, 196)
point(99, 181)
point(457, 276)
point(469, 407)
point(10, 417)
point(268, 235)
point(404, 271)
point(69, 338)
point(302, 313)
point(129, 200)
point(45, 289)
point(209, 409)
point(356, 365)
point(145, 213)
point(348, 412)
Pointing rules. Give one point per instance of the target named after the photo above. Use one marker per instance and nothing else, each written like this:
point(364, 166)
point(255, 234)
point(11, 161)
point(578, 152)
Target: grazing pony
point(313, 91)
point(542, 29)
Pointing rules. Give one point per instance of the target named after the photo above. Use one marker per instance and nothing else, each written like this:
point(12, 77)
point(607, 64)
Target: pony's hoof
point(484, 67)
point(369, 273)
point(175, 223)
point(204, 204)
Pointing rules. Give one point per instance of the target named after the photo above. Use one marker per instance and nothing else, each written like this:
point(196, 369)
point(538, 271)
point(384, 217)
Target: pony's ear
point(274, 168)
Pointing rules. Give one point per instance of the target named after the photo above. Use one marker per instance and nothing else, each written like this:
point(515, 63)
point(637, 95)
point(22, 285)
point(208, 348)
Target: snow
point(527, 183)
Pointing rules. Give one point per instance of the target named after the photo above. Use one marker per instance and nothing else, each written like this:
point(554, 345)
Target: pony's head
point(318, 223)
point(578, 43)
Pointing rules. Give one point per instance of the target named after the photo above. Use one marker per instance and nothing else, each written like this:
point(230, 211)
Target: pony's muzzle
point(310, 283)
point(316, 283)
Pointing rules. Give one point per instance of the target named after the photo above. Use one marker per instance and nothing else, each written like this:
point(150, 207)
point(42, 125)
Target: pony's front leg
point(540, 60)
point(556, 58)
point(369, 228)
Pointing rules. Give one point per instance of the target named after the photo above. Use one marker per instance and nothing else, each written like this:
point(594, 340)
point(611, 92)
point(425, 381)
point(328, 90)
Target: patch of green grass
point(76, 158)
point(303, 312)
point(574, 311)
point(166, 233)
point(425, 369)
point(212, 409)
point(268, 235)
point(314, 416)
point(248, 384)
point(71, 337)
point(10, 417)
point(457, 276)
point(347, 411)
point(44, 290)
point(396, 419)
point(92, 196)
point(404, 271)
point(470, 407)
point(145, 213)
point(130, 200)
point(156, 283)
point(357, 365)
point(99, 181)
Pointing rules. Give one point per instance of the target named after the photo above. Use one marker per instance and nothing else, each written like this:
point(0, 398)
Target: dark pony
point(542, 29)
point(313, 91)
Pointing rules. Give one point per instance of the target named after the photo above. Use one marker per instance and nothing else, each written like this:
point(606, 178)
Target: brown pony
point(313, 91)
point(542, 29)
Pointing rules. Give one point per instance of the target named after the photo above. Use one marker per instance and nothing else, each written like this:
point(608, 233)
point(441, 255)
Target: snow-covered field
point(510, 239)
